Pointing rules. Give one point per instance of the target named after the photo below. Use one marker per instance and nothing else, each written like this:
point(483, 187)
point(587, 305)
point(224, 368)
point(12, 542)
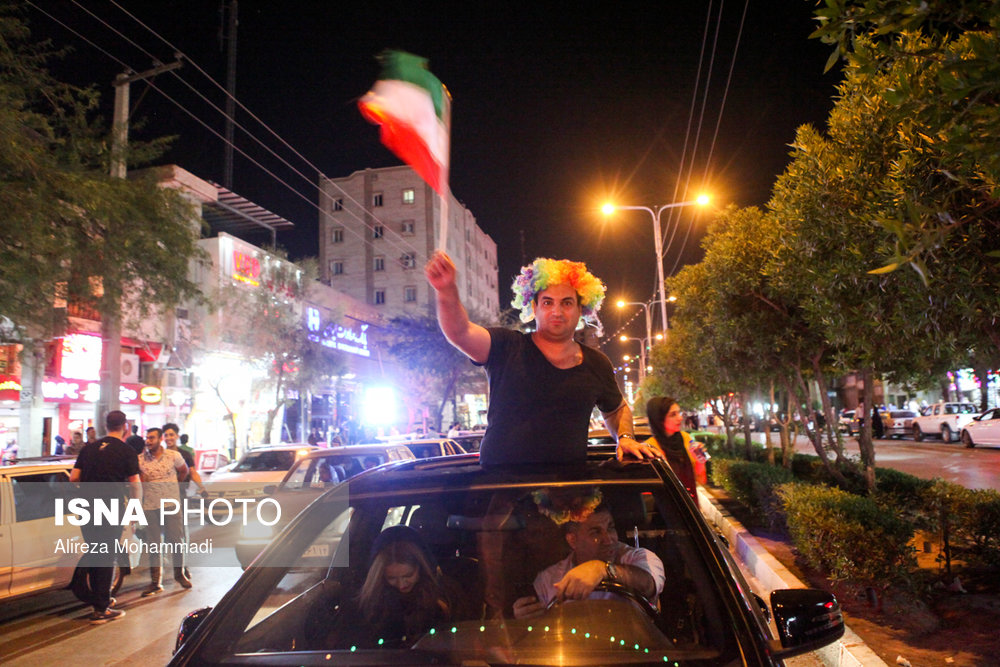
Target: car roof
point(371, 448)
point(464, 471)
point(279, 448)
point(41, 463)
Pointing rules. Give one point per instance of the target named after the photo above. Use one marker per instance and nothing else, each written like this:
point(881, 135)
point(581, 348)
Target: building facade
point(377, 228)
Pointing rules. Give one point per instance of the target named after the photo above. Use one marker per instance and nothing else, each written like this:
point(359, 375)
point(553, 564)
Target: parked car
point(491, 530)
point(309, 477)
point(984, 429)
point(846, 420)
point(944, 419)
point(36, 554)
point(256, 469)
point(897, 423)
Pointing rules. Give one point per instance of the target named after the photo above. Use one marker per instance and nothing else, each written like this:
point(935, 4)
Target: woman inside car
point(405, 594)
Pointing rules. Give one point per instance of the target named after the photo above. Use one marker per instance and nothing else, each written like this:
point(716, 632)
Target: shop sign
point(62, 390)
point(353, 340)
point(81, 357)
point(150, 395)
point(246, 268)
point(10, 388)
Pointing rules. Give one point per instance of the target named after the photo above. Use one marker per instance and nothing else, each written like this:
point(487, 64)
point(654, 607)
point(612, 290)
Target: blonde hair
point(374, 598)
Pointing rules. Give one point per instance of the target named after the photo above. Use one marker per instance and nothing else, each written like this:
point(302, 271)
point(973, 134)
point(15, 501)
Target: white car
point(259, 467)
point(36, 555)
point(984, 429)
point(942, 419)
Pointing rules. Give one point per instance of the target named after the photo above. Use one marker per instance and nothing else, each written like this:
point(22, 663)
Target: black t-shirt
point(107, 460)
point(539, 413)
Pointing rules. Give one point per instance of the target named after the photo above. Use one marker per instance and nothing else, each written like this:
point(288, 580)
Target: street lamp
point(655, 212)
point(643, 343)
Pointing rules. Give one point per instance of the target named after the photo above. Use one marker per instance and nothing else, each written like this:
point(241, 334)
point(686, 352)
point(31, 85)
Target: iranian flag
point(413, 109)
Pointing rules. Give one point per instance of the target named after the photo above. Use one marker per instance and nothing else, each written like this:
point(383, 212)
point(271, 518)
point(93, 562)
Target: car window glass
point(489, 546)
point(297, 478)
point(266, 462)
point(35, 494)
point(968, 409)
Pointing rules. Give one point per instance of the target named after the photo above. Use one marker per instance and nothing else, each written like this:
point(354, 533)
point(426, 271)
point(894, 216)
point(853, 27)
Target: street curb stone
point(850, 650)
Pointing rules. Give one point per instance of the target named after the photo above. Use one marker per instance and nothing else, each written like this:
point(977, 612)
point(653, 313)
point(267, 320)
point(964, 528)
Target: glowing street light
point(609, 208)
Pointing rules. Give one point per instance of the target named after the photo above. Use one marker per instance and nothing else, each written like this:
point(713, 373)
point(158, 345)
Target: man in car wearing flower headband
point(543, 384)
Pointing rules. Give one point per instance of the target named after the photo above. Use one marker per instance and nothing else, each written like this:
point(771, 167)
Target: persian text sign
point(353, 339)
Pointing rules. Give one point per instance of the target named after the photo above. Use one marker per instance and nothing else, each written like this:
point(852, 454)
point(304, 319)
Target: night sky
point(556, 108)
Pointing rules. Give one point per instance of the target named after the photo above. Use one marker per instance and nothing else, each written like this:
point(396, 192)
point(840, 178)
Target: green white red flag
point(413, 109)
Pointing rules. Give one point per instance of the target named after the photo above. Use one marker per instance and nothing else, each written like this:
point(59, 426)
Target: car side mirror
point(807, 619)
point(189, 624)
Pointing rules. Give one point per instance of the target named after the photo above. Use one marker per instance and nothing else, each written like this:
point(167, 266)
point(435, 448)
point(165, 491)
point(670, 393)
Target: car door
point(6, 541)
point(42, 553)
point(990, 428)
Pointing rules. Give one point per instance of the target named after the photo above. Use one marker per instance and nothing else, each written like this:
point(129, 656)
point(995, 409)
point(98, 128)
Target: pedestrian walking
point(104, 467)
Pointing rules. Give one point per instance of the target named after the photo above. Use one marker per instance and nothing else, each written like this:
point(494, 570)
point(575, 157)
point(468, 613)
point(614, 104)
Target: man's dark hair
point(171, 425)
point(150, 430)
point(184, 438)
point(115, 420)
point(573, 526)
point(135, 429)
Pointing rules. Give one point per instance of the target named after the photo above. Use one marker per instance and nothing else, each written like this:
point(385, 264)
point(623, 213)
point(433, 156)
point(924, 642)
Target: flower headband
point(561, 506)
point(544, 273)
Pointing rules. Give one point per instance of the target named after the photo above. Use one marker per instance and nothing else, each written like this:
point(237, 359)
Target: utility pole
point(111, 325)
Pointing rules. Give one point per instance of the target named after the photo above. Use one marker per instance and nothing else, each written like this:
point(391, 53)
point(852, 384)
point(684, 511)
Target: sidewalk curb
point(850, 650)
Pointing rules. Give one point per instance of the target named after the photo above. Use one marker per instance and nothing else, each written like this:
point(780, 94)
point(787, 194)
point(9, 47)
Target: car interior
point(492, 544)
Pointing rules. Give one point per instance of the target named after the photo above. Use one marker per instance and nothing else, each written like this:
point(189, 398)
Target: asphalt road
point(976, 468)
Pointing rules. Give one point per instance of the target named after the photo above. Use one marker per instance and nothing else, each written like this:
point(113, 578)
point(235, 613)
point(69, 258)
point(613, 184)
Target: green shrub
point(903, 493)
point(968, 520)
point(847, 536)
point(752, 484)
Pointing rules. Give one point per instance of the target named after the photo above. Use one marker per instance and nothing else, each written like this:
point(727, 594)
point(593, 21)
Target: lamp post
point(643, 343)
point(655, 212)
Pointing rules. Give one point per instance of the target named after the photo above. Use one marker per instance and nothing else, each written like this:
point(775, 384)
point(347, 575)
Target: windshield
point(480, 552)
point(265, 462)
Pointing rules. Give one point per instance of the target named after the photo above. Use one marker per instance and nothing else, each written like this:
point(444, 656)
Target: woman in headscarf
point(685, 456)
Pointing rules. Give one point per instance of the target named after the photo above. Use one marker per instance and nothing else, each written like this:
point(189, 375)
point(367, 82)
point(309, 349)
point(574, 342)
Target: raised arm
point(472, 339)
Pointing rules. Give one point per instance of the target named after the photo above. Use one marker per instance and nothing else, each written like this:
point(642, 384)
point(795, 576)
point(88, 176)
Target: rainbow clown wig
point(544, 273)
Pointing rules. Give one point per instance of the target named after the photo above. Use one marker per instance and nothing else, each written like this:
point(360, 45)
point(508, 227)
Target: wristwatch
point(610, 571)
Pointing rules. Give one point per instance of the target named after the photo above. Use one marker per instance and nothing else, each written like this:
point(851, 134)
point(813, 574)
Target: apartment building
point(377, 228)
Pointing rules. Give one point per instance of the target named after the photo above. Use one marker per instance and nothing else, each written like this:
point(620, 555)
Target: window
point(378, 231)
point(410, 294)
point(377, 199)
point(337, 267)
point(338, 235)
point(379, 297)
point(409, 196)
point(34, 495)
point(338, 204)
point(378, 264)
point(409, 260)
point(406, 228)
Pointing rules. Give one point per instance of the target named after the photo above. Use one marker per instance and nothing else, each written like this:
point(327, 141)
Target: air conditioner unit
point(130, 368)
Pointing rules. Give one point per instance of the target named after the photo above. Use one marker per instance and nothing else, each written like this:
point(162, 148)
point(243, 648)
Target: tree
point(279, 343)
point(435, 367)
point(70, 231)
point(71, 234)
